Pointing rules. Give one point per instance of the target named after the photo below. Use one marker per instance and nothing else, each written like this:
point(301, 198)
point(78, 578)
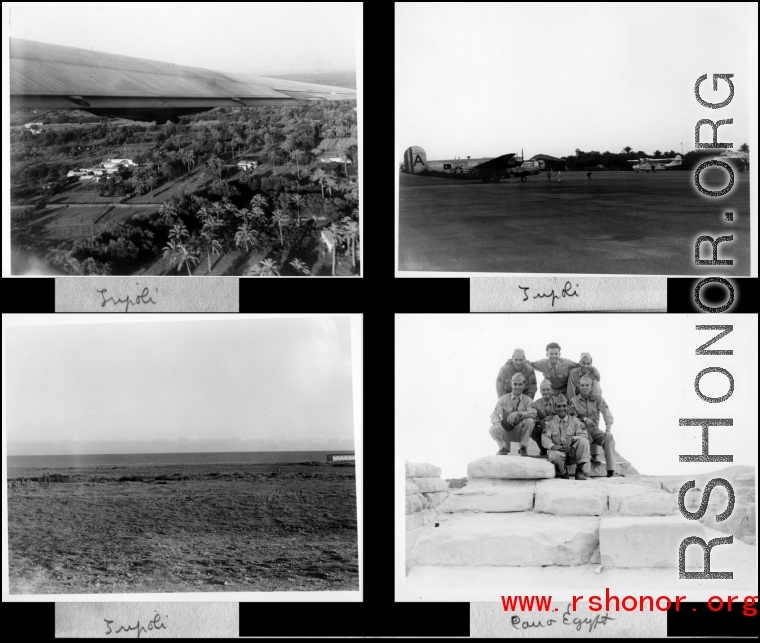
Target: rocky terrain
point(186, 528)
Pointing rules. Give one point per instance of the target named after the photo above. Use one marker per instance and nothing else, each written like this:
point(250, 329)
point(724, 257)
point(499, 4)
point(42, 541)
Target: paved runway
point(615, 223)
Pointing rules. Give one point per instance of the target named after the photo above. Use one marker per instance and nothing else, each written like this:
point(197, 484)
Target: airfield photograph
point(130, 476)
point(215, 154)
point(574, 138)
point(615, 222)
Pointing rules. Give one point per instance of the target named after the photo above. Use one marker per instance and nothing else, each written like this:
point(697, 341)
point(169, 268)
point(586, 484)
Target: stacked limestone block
point(514, 512)
point(425, 491)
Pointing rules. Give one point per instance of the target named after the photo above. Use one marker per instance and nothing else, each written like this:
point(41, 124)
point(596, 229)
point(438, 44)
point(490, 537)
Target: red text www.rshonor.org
point(612, 603)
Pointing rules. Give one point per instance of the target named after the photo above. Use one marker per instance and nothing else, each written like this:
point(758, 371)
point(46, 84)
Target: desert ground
point(617, 222)
point(186, 528)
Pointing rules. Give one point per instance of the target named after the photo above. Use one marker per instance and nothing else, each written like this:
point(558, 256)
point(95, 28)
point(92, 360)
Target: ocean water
point(143, 459)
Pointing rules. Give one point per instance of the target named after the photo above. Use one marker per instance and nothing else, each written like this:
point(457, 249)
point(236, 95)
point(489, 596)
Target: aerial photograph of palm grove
point(260, 191)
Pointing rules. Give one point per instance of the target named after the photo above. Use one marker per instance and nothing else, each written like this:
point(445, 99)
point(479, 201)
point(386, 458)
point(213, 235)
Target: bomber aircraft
point(652, 165)
point(741, 159)
point(44, 76)
point(486, 169)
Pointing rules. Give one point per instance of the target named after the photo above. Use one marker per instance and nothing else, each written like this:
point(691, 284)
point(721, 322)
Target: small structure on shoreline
point(340, 457)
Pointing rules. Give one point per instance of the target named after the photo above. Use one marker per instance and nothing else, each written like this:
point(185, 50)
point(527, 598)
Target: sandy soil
point(201, 528)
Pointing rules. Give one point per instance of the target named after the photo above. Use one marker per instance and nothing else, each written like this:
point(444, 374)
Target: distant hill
point(337, 78)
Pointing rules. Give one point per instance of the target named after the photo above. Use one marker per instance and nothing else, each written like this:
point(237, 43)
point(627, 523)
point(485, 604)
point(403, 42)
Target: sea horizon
point(139, 459)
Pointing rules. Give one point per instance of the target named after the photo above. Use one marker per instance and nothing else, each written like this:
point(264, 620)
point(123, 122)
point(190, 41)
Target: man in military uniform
point(587, 369)
point(566, 441)
point(555, 368)
point(545, 411)
point(511, 367)
point(588, 408)
point(513, 418)
point(573, 389)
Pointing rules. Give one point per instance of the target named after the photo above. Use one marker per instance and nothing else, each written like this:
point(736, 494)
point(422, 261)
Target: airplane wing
point(44, 76)
point(660, 160)
point(500, 162)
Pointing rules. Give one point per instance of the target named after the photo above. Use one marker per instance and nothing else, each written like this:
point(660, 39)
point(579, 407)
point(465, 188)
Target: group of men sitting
point(564, 422)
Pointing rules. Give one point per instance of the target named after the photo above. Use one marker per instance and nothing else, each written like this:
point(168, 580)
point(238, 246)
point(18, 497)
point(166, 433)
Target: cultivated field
point(184, 528)
point(617, 222)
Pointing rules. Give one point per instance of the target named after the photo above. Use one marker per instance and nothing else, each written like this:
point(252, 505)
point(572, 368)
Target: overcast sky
point(242, 385)
point(255, 37)
point(485, 79)
point(446, 368)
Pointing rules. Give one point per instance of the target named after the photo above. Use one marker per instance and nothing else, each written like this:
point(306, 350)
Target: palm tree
point(319, 176)
point(178, 232)
point(186, 258)
point(297, 155)
point(299, 267)
point(150, 178)
point(336, 231)
point(167, 212)
point(257, 214)
point(204, 215)
point(298, 201)
point(278, 218)
point(657, 153)
point(259, 201)
point(186, 156)
point(209, 243)
point(244, 214)
point(246, 235)
point(266, 268)
point(342, 150)
point(351, 233)
point(627, 150)
point(330, 184)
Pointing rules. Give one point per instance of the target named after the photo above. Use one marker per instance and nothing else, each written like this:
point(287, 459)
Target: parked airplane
point(741, 159)
point(486, 169)
point(652, 165)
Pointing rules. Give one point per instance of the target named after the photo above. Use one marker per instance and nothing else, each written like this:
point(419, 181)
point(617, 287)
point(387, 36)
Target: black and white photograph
point(561, 455)
point(175, 456)
point(204, 139)
point(583, 137)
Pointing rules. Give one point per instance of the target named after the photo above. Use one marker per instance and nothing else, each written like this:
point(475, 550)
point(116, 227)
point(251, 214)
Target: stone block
point(523, 539)
point(570, 497)
point(648, 541)
point(414, 503)
point(640, 500)
point(422, 470)
point(420, 519)
point(510, 466)
point(411, 488)
point(430, 484)
point(435, 498)
point(481, 496)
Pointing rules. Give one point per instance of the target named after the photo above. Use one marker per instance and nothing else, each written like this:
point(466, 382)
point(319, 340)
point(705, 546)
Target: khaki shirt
point(557, 431)
point(545, 410)
point(509, 404)
point(556, 374)
point(573, 382)
point(504, 379)
point(591, 407)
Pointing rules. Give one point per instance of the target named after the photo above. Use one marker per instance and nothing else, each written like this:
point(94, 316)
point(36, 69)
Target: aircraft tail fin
point(677, 160)
point(415, 160)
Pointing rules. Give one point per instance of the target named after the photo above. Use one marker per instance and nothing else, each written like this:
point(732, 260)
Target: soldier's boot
point(581, 473)
point(523, 451)
point(503, 451)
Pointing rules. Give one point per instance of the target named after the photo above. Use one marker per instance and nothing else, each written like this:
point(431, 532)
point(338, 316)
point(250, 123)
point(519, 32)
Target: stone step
point(532, 539)
point(571, 497)
point(524, 539)
point(597, 470)
point(644, 541)
point(599, 496)
point(510, 466)
point(485, 495)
